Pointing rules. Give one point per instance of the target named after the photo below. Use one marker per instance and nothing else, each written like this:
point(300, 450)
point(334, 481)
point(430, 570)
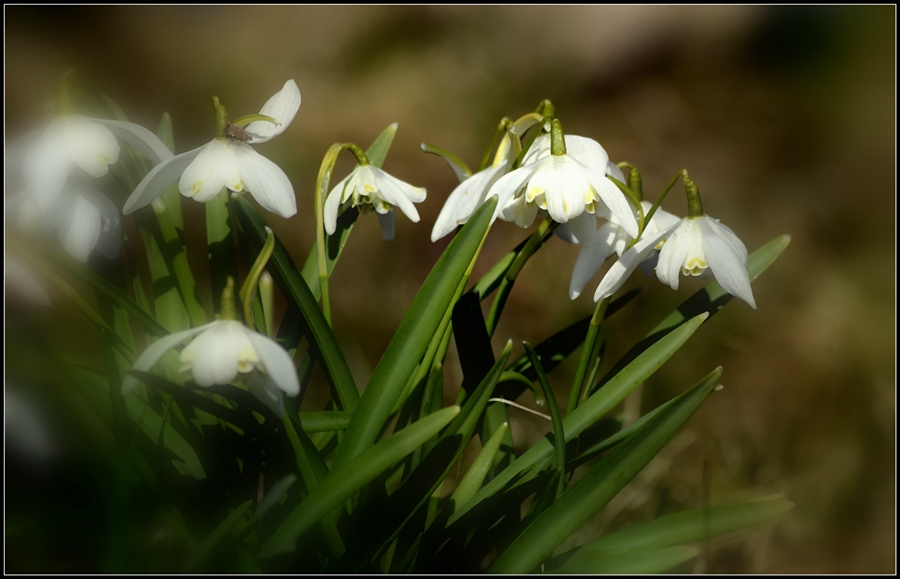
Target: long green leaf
point(689, 526)
point(291, 284)
point(413, 336)
point(171, 196)
point(637, 561)
point(592, 409)
point(220, 245)
point(471, 482)
point(600, 484)
point(343, 482)
point(217, 535)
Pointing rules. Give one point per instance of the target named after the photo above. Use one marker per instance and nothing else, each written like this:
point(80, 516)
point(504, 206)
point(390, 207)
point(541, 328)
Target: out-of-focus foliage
point(785, 117)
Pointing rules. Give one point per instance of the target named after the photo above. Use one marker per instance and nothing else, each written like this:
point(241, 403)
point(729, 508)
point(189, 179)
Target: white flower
point(83, 219)
point(564, 185)
point(219, 352)
point(598, 244)
point(471, 193)
point(230, 162)
point(89, 143)
point(693, 246)
point(369, 187)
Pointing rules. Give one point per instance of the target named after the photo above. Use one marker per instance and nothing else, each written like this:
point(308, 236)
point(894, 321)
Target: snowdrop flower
point(83, 218)
point(565, 184)
point(91, 144)
point(222, 350)
point(229, 161)
point(611, 237)
point(701, 243)
point(696, 245)
point(368, 187)
point(471, 193)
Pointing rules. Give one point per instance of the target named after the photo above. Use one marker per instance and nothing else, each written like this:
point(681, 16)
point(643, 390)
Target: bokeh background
point(785, 118)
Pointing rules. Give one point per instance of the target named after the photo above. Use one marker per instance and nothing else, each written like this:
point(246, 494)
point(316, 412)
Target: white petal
point(507, 186)
point(590, 259)
point(91, 145)
point(332, 204)
point(617, 203)
point(45, 168)
point(613, 171)
point(582, 228)
point(18, 276)
point(80, 228)
point(673, 254)
point(621, 269)
point(387, 222)
point(464, 200)
point(140, 138)
point(110, 240)
point(277, 362)
point(282, 107)
point(588, 152)
point(207, 175)
point(392, 192)
point(563, 232)
point(266, 182)
point(214, 355)
point(265, 390)
point(726, 262)
point(155, 351)
point(158, 180)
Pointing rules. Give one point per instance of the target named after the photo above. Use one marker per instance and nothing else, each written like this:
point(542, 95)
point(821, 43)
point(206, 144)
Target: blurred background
point(785, 118)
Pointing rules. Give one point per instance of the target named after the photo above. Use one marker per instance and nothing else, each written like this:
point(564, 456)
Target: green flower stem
point(635, 200)
point(249, 287)
point(66, 101)
point(531, 246)
point(588, 353)
point(526, 145)
point(634, 179)
point(221, 117)
point(247, 119)
point(546, 108)
point(662, 196)
point(229, 311)
point(559, 459)
point(180, 266)
point(322, 182)
point(557, 138)
point(695, 206)
point(505, 124)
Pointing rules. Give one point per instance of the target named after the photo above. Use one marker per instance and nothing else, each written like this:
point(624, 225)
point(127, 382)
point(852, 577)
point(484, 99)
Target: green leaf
point(110, 291)
point(172, 196)
point(690, 526)
point(592, 409)
point(324, 421)
point(216, 536)
point(292, 285)
point(471, 482)
point(377, 152)
point(345, 481)
point(632, 562)
point(559, 437)
point(222, 256)
point(600, 484)
point(413, 336)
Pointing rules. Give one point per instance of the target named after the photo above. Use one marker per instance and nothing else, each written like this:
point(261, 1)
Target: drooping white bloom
point(564, 185)
point(220, 352)
point(230, 162)
point(611, 238)
point(91, 144)
point(369, 187)
point(693, 246)
point(472, 192)
point(83, 219)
